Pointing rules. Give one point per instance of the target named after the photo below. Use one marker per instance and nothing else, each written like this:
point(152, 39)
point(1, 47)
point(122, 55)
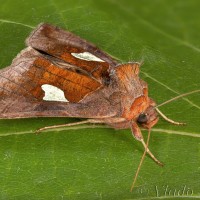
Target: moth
point(61, 75)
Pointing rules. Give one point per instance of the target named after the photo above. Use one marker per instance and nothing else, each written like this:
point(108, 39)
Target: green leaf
point(89, 162)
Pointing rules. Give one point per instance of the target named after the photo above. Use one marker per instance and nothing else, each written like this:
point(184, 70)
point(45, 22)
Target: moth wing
point(22, 94)
point(71, 49)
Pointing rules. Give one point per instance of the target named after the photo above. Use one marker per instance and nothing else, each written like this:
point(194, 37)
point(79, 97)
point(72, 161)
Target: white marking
point(53, 93)
point(87, 56)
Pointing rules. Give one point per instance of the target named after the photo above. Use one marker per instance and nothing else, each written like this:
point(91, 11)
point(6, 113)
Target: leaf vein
point(17, 23)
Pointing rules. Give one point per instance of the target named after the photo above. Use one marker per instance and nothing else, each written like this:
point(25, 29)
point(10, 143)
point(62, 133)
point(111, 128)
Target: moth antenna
point(167, 119)
point(177, 97)
point(141, 161)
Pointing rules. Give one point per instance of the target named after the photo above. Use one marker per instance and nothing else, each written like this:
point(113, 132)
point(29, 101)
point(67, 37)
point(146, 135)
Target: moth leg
point(141, 161)
point(136, 132)
point(69, 124)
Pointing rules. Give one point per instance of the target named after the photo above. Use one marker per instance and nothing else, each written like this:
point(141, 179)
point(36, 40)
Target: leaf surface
point(89, 162)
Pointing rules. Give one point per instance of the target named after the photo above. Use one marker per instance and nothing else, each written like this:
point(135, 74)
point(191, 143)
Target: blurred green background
point(91, 162)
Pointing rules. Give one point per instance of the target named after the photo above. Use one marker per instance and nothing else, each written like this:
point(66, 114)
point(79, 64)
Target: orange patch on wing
point(75, 86)
point(94, 68)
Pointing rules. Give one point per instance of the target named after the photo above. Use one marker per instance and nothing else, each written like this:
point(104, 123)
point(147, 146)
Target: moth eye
point(142, 118)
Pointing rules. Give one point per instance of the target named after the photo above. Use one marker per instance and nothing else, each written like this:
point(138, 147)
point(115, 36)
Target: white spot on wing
point(87, 56)
point(53, 93)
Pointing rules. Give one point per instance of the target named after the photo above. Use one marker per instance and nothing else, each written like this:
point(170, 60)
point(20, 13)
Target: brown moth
point(61, 75)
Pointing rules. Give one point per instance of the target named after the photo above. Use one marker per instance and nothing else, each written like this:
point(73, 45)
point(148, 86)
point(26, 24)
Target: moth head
point(149, 117)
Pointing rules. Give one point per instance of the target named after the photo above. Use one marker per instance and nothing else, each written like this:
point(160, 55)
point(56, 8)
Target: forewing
point(56, 58)
point(21, 87)
point(70, 48)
